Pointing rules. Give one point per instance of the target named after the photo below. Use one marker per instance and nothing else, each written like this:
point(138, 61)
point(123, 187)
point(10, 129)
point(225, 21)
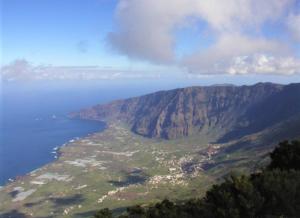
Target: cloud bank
point(147, 30)
point(22, 70)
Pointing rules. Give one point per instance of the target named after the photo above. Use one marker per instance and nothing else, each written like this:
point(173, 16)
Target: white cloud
point(264, 64)
point(19, 68)
point(217, 58)
point(237, 14)
point(146, 30)
point(22, 70)
point(293, 23)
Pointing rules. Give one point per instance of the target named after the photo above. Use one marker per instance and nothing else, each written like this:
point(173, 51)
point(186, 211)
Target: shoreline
point(56, 154)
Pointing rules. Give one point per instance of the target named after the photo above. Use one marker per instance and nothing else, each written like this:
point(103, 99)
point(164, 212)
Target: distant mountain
point(222, 113)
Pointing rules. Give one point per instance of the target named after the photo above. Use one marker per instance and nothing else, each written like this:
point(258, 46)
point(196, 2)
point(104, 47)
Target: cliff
point(225, 112)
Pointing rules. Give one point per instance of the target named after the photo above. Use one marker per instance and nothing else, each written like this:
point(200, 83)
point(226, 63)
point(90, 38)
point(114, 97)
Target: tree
point(166, 209)
point(104, 213)
point(280, 190)
point(286, 156)
point(237, 197)
point(136, 212)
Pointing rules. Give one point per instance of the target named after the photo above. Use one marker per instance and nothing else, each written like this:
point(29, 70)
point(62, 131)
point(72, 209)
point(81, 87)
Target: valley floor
point(116, 169)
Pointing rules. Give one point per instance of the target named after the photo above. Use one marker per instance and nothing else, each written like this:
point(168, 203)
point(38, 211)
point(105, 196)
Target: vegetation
point(103, 213)
point(286, 156)
point(273, 192)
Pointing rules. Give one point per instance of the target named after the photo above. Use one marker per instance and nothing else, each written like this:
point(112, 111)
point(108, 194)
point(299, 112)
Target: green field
point(116, 168)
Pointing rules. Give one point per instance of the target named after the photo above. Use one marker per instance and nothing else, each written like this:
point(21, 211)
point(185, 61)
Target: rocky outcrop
point(226, 112)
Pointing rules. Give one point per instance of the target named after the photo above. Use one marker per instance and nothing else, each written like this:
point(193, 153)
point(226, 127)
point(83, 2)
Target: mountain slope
point(222, 112)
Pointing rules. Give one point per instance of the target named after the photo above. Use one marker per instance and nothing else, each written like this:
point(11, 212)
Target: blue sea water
point(33, 117)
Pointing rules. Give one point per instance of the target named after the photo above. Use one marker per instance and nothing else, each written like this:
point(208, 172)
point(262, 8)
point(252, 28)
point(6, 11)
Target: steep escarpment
point(225, 112)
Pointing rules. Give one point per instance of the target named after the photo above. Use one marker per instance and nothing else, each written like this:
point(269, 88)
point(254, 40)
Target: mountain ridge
point(228, 112)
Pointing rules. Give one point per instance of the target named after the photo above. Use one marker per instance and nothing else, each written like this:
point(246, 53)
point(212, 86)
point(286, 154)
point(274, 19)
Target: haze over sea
point(34, 117)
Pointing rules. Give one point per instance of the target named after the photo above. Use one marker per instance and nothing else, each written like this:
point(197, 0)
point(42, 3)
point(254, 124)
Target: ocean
point(33, 117)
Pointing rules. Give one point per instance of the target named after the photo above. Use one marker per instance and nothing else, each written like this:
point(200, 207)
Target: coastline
point(113, 167)
point(55, 152)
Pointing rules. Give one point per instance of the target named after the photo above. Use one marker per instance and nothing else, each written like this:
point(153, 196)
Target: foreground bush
point(286, 156)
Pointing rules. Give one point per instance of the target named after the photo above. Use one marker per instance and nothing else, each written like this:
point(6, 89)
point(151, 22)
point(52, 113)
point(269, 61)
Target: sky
point(198, 37)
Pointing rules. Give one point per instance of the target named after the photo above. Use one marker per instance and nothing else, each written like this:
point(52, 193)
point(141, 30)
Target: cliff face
point(227, 111)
